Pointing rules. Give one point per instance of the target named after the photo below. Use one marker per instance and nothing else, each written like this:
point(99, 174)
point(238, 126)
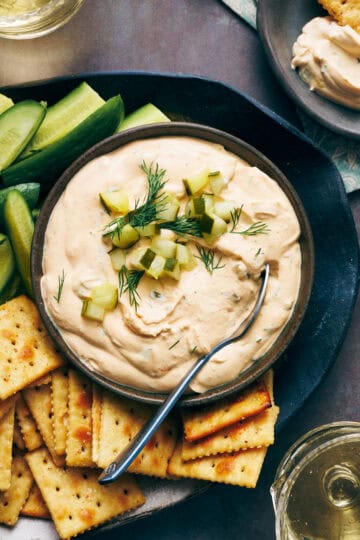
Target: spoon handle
point(127, 456)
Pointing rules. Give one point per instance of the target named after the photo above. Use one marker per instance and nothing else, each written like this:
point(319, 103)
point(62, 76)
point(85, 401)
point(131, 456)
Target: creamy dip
point(328, 58)
point(176, 321)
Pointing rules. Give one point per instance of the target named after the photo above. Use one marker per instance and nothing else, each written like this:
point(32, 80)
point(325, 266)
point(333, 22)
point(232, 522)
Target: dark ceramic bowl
point(254, 158)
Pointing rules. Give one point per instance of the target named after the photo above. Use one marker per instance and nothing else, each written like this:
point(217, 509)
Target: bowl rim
point(243, 150)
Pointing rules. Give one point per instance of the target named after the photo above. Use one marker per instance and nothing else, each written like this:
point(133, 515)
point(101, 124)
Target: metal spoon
point(127, 456)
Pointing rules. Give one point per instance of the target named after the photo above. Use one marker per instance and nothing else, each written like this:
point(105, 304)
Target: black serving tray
point(316, 181)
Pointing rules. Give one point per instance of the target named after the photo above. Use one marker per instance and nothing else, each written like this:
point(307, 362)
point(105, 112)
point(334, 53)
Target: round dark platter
point(318, 185)
point(279, 24)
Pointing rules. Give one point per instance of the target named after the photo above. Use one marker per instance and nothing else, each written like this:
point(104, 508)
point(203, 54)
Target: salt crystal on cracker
point(26, 350)
point(255, 432)
point(75, 499)
point(240, 468)
point(28, 427)
point(121, 420)
point(79, 434)
point(6, 443)
point(13, 499)
point(38, 399)
point(202, 421)
point(59, 402)
point(35, 505)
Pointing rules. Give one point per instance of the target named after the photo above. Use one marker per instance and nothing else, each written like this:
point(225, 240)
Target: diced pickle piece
point(115, 201)
point(185, 257)
point(105, 296)
point(196, 183)
point(147, 259)
point(216, 181)
point(148, 230)
point(172, 268)
point(156, 268)
point(90, 310)
point(127, 237)
point(212, 224)
point(118, 258)
point(169, 208)
point(162, 246)
point(195, 207)
point(224, 209)
point(134, 258)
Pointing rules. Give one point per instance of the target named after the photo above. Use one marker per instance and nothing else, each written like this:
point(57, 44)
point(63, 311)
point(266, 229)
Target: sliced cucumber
point(172, 269)
point(7, 262)
point(147, 259)
point(224, 209)
point(118, 258)
point(169, 208)
point(162, 246)
point(196, 183)
point(12, 289)
point(116, 201)
point(17, 126)
point(212, 224)
point(64, 116)
point(5, 103)
point(135, 257)
point(47, 165)
point(20, 227)
point(105, 296)
point(127, 237)
point(92, 311)
point(148, 114)
point(157, 267)
point(30, 192)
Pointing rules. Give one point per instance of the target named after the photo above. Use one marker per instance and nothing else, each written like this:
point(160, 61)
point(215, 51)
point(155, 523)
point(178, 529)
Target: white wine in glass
point(316, 492)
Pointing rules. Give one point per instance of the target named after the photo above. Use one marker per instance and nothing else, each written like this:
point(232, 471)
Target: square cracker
point(79, 435)
point(344, 12)
point(240, 468)
point(75, 499)
point(59, 401)
point(35, 505)
point(29, 430)
point(96, 413)
point(202, 421)
point(26, 350)
point(6, 405)
point(12, 500)
point(255, 432)
point(38, 399)
point(121, 420)
point(6, 443)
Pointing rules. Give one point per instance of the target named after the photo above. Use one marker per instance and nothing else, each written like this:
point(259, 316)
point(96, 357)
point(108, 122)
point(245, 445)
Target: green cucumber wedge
point(7, 262)
point(30, 193)
point(5, 103)
point(20, 228)
point(64, 116)
point(46, 166)
point(148, 114)
point(17, 126)
point(14, 288)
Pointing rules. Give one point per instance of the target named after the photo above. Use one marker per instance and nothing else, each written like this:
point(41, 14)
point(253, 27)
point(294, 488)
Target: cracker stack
point(57, 428)
point(344, 12)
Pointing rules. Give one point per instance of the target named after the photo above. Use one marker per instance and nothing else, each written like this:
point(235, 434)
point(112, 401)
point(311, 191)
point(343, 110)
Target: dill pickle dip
point(149, 336)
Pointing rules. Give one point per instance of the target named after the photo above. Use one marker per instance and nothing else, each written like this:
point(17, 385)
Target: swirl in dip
point(327, 56)
point(176, 321)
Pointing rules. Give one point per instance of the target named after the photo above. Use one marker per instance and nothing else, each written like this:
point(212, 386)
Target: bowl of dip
point(169, 310)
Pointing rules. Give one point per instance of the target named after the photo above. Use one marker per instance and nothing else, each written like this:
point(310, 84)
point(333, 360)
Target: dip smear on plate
point(152, 342)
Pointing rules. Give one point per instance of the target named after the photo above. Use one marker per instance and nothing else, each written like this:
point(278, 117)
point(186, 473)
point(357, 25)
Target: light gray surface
point(201, 37)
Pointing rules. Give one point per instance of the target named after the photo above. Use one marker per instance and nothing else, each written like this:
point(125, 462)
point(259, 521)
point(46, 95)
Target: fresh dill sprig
point(128, 282)
point(258, 252)
point(145, 213)
point(208, 258)
point(174, 344)
point(235, 217)
point(193, 350)
point(259, 227)
point(61, 279)
point(183, 225)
